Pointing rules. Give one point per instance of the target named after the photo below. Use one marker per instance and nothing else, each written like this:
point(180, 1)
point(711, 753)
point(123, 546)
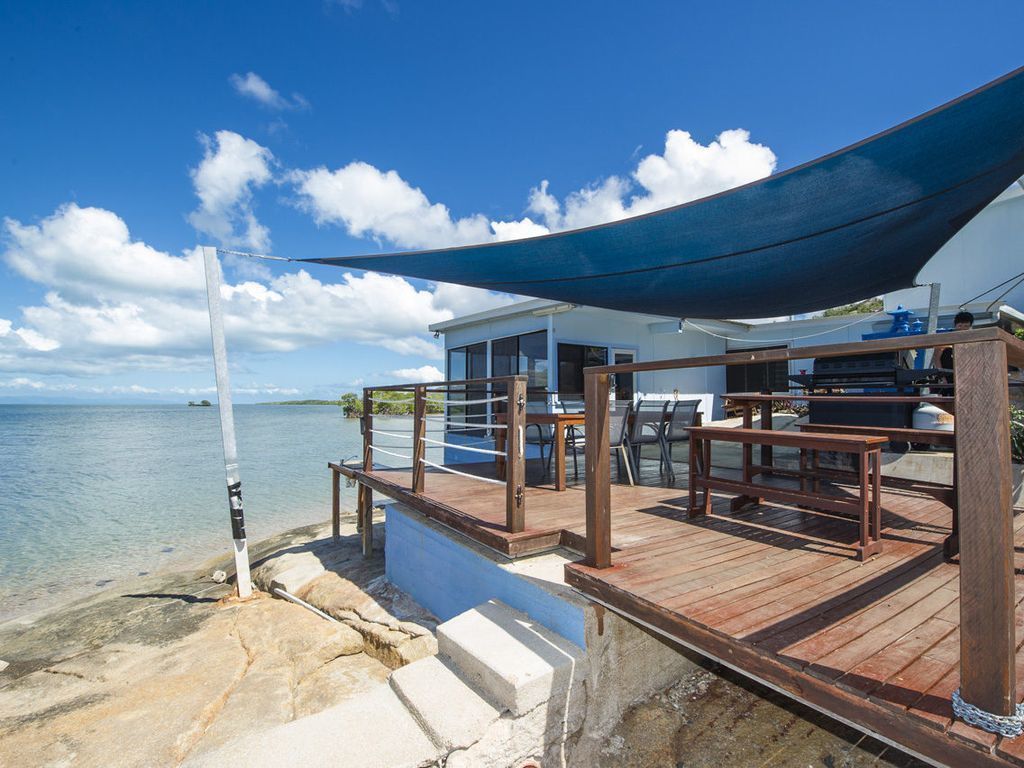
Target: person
point(963, 321)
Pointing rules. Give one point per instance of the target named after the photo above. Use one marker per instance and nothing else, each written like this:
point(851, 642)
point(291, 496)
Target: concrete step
point(451, 713)
point(511, 660)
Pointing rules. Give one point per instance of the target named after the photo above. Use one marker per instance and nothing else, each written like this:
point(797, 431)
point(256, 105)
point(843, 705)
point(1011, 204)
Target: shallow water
point(90, 495)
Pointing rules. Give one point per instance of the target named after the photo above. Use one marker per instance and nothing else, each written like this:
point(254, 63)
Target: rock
point(337, 681)
point(3, 665)
point(219, 576)
point(348, 734)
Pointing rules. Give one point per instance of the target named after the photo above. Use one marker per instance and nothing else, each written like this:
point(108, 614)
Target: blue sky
point(132, 132)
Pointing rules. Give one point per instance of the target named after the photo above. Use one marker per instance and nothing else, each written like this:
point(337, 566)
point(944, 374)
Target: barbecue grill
point(878, 373)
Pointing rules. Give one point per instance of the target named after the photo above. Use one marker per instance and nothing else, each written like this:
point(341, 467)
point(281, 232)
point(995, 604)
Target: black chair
point(575, 435)
point(648, 428)
point(618, 433)
point(540, 435)
point(682, 417)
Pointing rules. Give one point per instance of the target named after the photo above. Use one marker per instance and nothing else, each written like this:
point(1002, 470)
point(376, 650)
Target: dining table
point(560, 423)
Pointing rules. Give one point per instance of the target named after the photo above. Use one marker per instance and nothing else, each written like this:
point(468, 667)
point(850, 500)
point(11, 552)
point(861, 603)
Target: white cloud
point(382, 205)
point(116, 304)
point(84, 250)
point(232, 167)
point(29, 385)
point(424, 373)
point(252, 86)
point(686, 170)
point(369, 202)
point(21, 383)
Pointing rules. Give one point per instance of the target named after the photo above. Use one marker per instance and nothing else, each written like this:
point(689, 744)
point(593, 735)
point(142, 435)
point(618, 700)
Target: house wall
point(615, 331)
point(810, 332)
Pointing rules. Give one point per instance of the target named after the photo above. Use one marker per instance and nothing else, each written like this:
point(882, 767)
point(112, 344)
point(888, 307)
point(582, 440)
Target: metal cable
point(464, 474)
point(390, 453)
point(463, 447)
point(406, 436)
point(472, 402)
point(465, 424)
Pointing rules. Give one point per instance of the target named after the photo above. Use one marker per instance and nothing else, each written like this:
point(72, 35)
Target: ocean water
point(93, 495)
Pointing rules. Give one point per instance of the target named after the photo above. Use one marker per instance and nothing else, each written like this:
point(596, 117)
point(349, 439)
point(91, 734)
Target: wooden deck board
point(776, 591)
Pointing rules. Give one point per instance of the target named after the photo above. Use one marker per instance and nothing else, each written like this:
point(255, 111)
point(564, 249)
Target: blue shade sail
point(853, 224)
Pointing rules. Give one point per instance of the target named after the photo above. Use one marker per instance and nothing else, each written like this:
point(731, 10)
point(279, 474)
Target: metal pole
point(933, 319)
point(227, 422)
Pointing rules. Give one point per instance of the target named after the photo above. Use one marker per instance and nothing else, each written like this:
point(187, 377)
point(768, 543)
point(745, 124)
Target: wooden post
point(335, 504)
point(515, 461)
point(766, 423)
point(419, 431)
point(596, 389)
point(987, 673)
point(365, 493)
point(748, 449)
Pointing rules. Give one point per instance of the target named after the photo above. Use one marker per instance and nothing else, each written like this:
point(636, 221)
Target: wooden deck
point(774, 591)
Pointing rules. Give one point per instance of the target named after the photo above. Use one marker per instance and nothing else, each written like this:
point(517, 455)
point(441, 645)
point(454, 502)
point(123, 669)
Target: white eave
point(516, 309)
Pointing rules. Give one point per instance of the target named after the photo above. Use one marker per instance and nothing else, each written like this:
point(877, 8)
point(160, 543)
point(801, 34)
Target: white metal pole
point(552, 360)
point(227, 422)
point(933, 319)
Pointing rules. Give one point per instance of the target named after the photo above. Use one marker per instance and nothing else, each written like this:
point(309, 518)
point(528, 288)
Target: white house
point(552, 342)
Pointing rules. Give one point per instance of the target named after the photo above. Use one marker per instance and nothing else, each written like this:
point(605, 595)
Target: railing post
point(983, 485)
point(335, 504)
point(596, 389)
point(419, 431)
point(364, 513)
point(515, 462)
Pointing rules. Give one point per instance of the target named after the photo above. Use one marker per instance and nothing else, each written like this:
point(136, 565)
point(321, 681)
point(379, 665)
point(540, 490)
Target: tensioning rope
point(998, 285)
point(791, 338)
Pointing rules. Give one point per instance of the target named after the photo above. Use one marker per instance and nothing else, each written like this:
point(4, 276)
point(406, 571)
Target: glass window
point(533, 359)
point(526, 355)
point(505, 356)
point(468, 362)
point(572, 359)
point(758, 377)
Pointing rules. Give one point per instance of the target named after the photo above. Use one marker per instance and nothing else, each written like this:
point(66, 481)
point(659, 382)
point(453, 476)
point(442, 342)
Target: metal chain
point(1005, 725)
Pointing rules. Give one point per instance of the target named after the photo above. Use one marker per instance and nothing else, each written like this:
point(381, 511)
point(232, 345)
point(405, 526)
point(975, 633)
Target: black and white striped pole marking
point(227, 422)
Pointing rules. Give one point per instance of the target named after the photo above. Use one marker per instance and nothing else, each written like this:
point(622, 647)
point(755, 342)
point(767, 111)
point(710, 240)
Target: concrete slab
point(512, 660)
point(452, 713)
point(373, 730)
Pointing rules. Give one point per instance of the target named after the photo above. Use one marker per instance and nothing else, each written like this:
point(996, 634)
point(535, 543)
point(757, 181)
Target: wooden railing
point(983, 485)
point(508, 390)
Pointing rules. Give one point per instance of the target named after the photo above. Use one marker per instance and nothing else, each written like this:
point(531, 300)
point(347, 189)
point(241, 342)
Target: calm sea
point(92, 495)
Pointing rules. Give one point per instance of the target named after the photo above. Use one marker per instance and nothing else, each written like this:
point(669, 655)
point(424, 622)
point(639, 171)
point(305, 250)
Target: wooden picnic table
point(764, 401)
point(560, 423)
point(867, 448)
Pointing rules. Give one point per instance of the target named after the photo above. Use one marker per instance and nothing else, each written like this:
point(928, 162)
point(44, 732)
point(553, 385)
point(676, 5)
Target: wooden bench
point(943, 437)
point(892, 434)
point(867, 507)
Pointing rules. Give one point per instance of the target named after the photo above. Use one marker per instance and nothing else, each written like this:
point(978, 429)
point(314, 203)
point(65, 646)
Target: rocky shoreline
point(169, 666)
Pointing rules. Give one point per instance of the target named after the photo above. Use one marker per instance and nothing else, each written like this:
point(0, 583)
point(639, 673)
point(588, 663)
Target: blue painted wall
point(448, 578)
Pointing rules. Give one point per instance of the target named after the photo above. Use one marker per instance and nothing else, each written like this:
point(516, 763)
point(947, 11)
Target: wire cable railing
point(452, 422)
